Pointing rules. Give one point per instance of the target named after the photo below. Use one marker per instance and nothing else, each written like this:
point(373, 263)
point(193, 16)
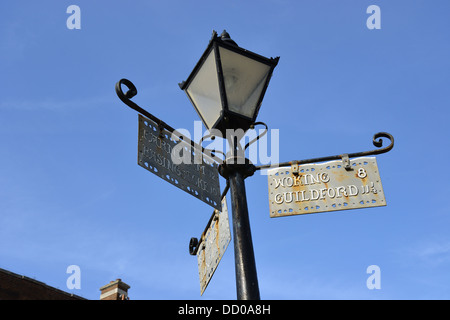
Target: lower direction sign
point(193, 171)
point(323, 187)
point(214, 242)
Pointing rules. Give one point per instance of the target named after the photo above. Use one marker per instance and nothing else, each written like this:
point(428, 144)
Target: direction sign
point(199, 177)
point(214, 242)
point(323, 187)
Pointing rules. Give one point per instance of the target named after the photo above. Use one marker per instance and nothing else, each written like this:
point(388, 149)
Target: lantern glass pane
point(244, 80)
point(204, 92)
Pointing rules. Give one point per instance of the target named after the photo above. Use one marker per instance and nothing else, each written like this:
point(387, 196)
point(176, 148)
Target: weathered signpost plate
point(215, 241)
point(323, 187)
point(198, 177)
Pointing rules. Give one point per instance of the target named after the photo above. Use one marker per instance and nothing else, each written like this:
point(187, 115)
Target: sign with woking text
point(323, 187)
point(159, 152)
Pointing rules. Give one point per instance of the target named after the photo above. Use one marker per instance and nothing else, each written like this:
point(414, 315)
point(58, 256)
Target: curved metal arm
point(211, 152)
point(132, 91)
point(377, 143)
point(259, 136)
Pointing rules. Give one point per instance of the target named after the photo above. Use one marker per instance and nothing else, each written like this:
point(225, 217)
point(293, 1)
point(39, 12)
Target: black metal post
point(246, 278)
point(235, 169)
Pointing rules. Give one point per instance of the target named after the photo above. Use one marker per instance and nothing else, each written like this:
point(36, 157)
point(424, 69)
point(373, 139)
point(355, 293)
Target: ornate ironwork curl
point(259, 136)
point(377, 142)
point(132, 91)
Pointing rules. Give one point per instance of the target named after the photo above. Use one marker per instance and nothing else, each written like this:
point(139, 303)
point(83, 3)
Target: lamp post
point(226, 88)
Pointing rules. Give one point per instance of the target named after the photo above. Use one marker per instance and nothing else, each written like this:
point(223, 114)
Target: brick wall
point(17, 287)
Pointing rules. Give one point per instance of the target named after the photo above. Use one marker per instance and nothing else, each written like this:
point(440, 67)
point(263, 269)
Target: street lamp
point(228, 84)
point(226, 88)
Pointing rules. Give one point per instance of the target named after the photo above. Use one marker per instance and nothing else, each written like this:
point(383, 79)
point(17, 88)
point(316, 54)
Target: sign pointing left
point(200, 178)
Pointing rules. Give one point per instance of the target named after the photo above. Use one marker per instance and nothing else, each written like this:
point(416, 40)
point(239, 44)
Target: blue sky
point(71, 192)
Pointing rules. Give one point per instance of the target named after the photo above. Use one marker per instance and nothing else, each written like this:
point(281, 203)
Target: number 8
point(362, 173)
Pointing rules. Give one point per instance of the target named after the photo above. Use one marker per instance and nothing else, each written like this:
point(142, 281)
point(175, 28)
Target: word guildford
point(320, 194)
point(325, 187)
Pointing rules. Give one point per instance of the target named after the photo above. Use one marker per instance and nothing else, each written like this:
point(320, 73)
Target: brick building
point(17, 287)
point(115, 290)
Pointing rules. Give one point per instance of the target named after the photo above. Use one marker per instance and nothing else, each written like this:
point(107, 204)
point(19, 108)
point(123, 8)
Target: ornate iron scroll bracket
point(259, 136)
point(212, 152)
point(377, 142)
point(132, 91)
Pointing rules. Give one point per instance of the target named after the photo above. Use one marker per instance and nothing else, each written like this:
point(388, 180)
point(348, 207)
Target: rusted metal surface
point(199, 176)
point(329, 186)
point(213, 244)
